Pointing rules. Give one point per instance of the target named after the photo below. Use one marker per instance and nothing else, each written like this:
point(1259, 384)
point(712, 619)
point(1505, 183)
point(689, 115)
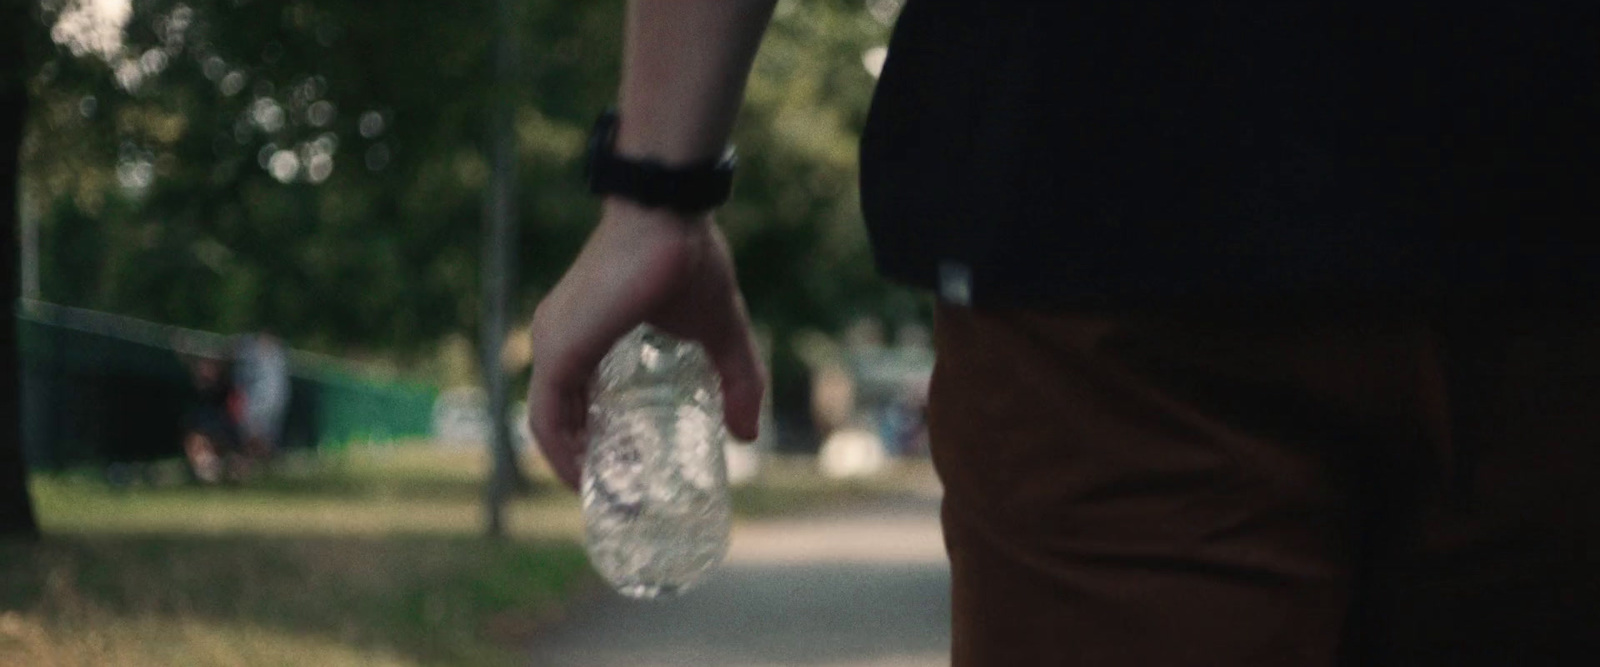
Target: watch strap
point(689, 189)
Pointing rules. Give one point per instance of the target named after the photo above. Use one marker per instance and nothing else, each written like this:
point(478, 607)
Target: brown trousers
point(1386, 489)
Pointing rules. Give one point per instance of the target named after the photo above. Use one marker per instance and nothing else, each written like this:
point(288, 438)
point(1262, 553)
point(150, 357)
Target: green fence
point(103, 388)
point(352, 408)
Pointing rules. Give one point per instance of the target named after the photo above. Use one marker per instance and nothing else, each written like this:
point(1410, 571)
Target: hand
point(639, 266)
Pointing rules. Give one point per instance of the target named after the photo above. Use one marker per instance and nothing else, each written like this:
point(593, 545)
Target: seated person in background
point(210, 430)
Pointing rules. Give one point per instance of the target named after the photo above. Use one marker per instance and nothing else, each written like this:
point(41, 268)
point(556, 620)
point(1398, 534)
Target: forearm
point(684, 72)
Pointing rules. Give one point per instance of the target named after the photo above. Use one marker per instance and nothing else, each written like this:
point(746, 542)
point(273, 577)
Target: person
point(261, 371)
point(1265, 331)
point(210, 424)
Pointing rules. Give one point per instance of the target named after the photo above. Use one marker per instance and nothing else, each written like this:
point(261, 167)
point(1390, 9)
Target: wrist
point(652, 219)
point(666, 149)
point(632, 233)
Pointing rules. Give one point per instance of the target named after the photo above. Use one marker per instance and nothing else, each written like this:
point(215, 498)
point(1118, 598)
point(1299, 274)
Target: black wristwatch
point(689, 189)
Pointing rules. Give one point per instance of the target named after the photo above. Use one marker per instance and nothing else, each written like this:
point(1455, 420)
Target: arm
point(684, 71)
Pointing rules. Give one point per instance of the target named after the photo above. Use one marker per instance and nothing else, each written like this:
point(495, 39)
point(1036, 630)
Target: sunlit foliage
point(316, 167)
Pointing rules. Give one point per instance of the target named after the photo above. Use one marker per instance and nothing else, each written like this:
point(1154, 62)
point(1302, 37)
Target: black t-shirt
point(1121, 152)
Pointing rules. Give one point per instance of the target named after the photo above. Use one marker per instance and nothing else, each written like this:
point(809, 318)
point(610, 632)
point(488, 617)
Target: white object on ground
point(852, 452)
point(461, 416)
point(744, 463)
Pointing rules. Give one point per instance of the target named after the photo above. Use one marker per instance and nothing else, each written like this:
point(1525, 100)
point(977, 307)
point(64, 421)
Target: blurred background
point(275, 261)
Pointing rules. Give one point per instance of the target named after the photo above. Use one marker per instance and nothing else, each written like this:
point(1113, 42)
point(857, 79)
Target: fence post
point(16, 508)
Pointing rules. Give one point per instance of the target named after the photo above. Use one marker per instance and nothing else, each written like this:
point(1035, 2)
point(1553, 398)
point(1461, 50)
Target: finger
point(744, 382)
point(551, 418)
point(578, 437)
point(576, 404)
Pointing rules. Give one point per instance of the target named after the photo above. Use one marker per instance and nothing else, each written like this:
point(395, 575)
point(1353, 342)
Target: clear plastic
point(655, 486)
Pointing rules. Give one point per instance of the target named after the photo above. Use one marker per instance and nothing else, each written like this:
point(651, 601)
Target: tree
point(319, 167)
point(16, 508)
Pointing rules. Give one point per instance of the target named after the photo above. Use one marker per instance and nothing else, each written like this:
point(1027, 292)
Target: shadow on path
point(866, 587)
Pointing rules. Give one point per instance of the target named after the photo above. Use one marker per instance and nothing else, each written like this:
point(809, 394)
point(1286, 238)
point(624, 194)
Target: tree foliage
point(316, 168)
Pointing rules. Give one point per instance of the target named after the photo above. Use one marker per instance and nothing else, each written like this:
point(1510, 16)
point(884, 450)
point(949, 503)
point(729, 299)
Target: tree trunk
point(16, 509)
point(499, 262)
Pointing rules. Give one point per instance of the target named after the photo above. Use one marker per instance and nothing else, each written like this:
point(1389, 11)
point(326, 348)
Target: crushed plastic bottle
point(655, 486)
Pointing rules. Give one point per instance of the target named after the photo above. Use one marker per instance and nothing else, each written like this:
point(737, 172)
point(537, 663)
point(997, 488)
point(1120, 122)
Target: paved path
point(865, 587)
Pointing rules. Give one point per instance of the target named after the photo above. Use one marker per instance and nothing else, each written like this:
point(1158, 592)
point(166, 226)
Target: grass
point(250, 600)
point(370, 557)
